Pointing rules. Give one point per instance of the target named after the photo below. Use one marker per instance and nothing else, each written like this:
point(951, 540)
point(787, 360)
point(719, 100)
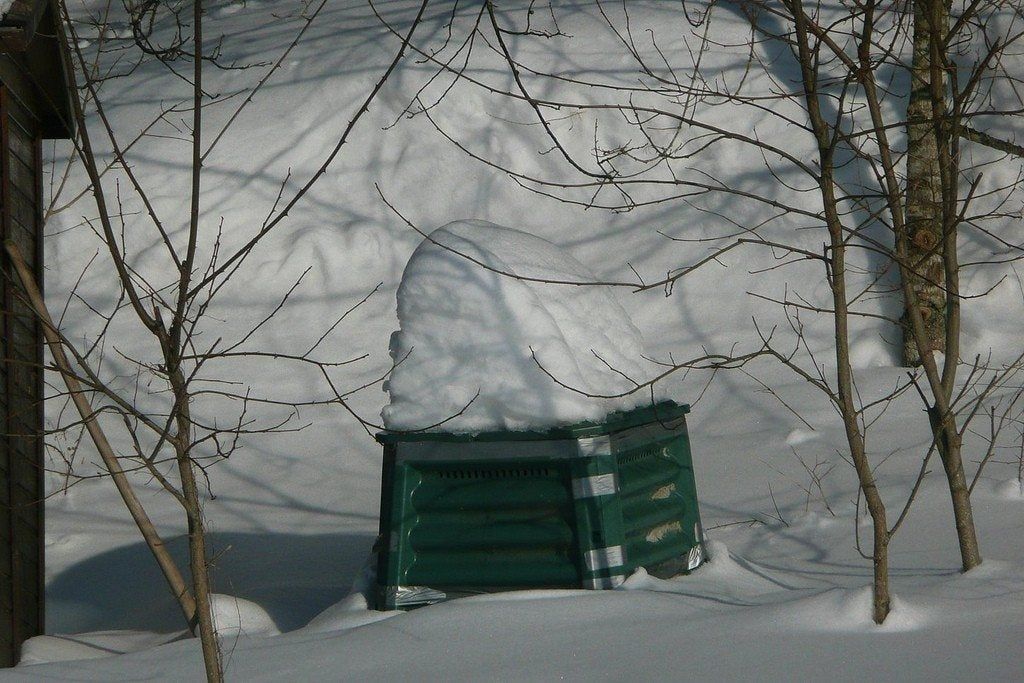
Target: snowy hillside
point(293, 515)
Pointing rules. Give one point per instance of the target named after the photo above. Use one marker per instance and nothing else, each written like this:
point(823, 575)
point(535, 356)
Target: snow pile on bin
point(467, 329)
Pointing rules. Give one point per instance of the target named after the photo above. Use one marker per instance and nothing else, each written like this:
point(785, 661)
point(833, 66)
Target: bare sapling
point(185, 411)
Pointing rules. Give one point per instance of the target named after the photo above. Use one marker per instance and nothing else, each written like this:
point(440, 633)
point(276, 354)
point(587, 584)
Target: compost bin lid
point(664, 412)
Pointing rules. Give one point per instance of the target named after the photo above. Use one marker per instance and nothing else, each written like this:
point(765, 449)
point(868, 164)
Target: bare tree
point(179, 415)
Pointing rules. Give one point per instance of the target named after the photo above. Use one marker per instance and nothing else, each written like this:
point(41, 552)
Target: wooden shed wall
point(21, 384)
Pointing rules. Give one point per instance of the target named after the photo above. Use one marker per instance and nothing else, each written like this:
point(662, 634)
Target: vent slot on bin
point(491, 473)
point(638, 455)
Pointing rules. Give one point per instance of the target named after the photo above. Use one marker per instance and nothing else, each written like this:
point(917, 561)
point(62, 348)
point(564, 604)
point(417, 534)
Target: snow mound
point(843, 610)
point(234, 616)
point(724, 577)
point(475, 345)
point(351, 612)
point(1011, 489)
point(67, 647)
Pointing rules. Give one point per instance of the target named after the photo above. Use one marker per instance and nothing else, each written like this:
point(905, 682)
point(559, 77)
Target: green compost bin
point(580, 506)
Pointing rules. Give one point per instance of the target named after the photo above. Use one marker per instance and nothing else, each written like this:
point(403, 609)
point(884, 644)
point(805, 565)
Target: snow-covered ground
point(785, 594)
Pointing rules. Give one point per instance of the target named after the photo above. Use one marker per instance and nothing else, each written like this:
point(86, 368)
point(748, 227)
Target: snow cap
point(471, 326)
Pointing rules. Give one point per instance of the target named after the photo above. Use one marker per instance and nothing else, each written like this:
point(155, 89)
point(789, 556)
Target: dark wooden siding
point(21, 385)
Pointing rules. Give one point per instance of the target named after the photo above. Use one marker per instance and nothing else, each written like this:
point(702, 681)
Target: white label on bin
point(603, 582)
point(595, 445)
point(695, 557)
point(597, 485)
point(604, 558)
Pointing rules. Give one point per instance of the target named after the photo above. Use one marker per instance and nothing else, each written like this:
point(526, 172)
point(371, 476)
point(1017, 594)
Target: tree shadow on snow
point(292, 577)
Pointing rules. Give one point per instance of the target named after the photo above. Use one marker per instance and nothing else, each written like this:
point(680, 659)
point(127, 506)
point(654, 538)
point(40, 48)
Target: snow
point(487, 341)
point(294, 515)
point(95, 645)
point(1012, 489)
point(233, 617)
point(740, 619)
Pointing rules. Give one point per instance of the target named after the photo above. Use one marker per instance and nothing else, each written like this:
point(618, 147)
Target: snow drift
point(491, 337)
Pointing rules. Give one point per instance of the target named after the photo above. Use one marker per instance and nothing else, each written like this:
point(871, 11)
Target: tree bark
point(197, 555)
point(932, 274)
point(924, 217)
point(949, 447)
point(198, 564)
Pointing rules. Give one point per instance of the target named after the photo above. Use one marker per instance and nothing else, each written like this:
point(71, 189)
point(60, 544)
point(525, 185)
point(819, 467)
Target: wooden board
point(21, 386)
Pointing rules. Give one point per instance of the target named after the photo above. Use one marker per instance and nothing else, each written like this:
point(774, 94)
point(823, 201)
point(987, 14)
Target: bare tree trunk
point(949, 447)
point(929, 252)
point(836, 275)
point(199, 567)
point(881, 600)
point(197, 554)
point(172, 342)
point(924, 194)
